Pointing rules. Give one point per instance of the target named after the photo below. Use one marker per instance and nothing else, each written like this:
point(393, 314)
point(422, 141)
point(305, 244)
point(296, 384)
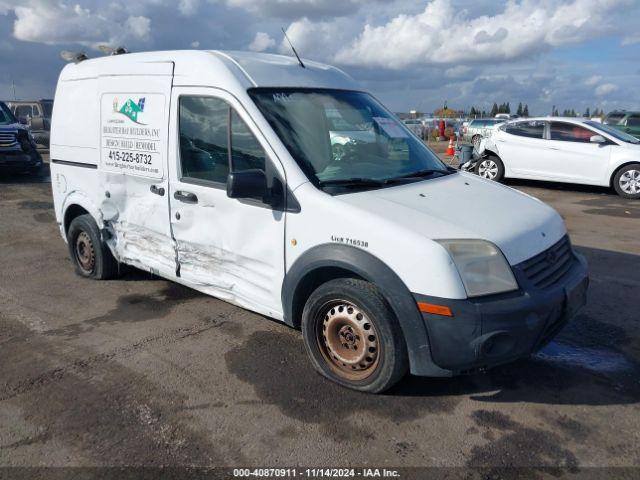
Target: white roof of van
point(218, 69)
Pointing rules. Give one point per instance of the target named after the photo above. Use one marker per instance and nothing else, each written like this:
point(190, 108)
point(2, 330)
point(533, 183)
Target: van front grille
point(549, 267)
point(8, 139)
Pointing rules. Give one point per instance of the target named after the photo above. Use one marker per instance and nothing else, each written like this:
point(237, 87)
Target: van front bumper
point(488, 331)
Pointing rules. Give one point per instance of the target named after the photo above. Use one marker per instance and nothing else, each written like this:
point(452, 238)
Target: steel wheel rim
point(630, 182)
point(488, 169)
point(85, 253)
point(348, 340)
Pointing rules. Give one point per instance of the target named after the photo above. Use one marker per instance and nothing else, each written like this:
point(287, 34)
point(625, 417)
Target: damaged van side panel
point(231, 249)
point(133, 165)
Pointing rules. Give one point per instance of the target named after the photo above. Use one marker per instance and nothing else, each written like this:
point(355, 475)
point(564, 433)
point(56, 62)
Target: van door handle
point(186, 197)
point(157, 190)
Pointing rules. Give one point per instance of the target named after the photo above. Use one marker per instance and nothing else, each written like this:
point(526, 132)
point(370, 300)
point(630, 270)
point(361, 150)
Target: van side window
point(204, 154)
point(246, 152)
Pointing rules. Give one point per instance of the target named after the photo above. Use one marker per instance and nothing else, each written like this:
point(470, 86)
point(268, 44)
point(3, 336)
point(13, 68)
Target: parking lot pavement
point(141, 371)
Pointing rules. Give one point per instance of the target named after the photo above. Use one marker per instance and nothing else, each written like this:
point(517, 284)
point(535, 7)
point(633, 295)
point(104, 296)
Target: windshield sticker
point(282, 97)
point(390, 127)
point(133, 137)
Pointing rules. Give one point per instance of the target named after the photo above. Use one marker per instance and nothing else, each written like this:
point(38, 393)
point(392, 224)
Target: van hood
point(463, 205)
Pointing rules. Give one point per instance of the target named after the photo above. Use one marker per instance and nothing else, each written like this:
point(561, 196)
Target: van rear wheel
point(90, 255)
point(353, 337)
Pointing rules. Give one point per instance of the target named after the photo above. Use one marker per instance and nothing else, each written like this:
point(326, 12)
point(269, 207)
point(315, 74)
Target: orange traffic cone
point(450, 150)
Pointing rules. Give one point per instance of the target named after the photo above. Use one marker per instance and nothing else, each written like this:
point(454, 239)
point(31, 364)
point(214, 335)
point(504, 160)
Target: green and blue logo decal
point(130, 109)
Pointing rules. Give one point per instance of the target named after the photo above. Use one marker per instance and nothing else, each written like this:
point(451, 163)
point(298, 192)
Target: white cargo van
point(287, 190)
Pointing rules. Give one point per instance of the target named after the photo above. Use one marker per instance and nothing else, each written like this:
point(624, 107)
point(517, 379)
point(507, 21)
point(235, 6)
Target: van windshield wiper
point(419, 174)
point(352, 182)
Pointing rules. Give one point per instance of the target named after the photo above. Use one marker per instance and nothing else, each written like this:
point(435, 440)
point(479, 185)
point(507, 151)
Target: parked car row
point(557, 149)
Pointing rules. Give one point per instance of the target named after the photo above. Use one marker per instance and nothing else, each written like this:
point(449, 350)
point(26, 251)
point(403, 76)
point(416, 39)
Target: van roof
point(224, 69)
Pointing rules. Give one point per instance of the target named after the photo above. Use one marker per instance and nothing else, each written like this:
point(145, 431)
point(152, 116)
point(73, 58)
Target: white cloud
point(195, 44)
point(631, 39)
point(442, 33)
point(318, 40)
point(188, 7)
point(51, 23)
point(606, 89)
point(459, 71)
point(299, 8)
point(5, 7)
point(261, 42)
point(593, 80)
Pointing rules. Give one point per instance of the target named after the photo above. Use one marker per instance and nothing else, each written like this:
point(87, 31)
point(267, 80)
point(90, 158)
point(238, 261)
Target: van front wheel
point(353, 336)
point(90, 255)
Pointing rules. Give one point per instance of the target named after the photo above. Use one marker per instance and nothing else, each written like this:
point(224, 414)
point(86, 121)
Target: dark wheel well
point(311, 281)
point(72, 212)
point(615, 172)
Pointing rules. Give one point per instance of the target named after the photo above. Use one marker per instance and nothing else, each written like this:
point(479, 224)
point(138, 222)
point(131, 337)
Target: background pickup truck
point(36, 114)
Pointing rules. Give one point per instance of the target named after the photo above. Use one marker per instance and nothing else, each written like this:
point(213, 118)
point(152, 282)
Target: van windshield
point(346, 139)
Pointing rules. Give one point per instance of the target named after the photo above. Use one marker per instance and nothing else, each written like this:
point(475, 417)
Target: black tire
point(626, 181)
point(365, 309)
point(91, 257)
point(491, 168)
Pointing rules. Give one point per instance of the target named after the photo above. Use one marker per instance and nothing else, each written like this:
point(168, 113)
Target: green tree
point(494, 109)
point(587, 113)
point(525, 110)
point(507, 108)
point(519, 110)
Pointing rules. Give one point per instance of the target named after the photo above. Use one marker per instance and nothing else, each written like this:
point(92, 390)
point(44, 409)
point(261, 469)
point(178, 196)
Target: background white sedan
point(560, 149)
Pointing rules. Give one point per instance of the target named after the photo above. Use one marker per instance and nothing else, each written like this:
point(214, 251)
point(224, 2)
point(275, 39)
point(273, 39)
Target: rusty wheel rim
point(85, 253)
point(348, 340)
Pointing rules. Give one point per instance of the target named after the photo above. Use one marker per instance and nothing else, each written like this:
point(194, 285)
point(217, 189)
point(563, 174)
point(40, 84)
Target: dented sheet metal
point(140, 246)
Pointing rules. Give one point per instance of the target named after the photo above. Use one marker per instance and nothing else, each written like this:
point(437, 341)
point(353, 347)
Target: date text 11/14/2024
point(316, 472)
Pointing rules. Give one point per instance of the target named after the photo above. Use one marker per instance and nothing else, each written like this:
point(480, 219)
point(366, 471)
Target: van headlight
point(482, 267)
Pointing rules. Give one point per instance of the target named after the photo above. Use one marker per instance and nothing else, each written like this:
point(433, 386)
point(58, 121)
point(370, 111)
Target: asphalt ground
point(142, 371)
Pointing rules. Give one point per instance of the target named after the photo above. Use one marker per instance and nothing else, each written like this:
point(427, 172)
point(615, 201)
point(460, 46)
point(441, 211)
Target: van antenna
point(294, 50)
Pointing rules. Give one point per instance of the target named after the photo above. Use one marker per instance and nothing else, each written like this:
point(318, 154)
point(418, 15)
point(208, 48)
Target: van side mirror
point(598, 139)
point(247, 184)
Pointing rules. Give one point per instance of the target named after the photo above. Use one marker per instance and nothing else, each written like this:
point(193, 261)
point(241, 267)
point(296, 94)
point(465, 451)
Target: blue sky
point(409, 53)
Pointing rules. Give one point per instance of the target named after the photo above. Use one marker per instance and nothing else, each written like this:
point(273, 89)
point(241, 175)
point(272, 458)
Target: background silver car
point(479, 128)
